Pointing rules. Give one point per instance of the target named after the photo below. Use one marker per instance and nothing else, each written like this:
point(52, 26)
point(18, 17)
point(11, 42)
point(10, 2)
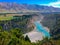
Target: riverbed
point(38, 33)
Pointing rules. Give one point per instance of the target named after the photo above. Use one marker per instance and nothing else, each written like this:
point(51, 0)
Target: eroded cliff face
point(24, 22)
point(52, 21)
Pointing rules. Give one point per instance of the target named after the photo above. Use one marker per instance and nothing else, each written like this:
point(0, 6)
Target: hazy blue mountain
point(14, 7)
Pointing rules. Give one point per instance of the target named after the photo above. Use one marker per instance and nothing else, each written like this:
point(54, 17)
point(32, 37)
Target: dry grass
point(6, 17)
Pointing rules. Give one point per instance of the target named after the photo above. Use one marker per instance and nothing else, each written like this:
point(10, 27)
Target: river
point(41, 29)
point(39, 32)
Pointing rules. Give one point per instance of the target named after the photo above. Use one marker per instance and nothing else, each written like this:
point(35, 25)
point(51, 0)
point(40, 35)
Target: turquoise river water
point(40, 28)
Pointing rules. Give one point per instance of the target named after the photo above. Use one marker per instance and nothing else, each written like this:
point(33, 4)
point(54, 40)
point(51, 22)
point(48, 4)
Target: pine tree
point(27, 38)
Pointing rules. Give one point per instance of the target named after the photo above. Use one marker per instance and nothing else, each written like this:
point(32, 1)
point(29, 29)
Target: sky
point(54, 3)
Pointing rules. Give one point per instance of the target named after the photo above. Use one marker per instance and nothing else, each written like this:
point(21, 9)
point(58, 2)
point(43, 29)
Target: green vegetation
point(27, 38)
point(6, 17)
point(13, 28)
point(15, 37)
point(21, 22)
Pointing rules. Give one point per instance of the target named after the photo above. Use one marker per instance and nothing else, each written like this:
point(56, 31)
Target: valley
point(29, 24)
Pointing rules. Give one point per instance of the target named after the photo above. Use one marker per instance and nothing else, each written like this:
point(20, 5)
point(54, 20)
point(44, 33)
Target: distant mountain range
point(14, 7)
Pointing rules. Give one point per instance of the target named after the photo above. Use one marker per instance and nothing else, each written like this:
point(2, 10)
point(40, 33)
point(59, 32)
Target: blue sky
point(54, 3)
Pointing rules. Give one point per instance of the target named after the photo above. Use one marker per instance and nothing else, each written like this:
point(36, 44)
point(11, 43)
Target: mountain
point(14, 7)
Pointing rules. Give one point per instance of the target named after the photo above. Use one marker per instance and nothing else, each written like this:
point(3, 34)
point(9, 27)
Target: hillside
point(14, 7)
point(52, 21)
point(18, 19)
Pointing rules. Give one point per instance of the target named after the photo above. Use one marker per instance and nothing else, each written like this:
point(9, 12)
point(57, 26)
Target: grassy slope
point(6, 17)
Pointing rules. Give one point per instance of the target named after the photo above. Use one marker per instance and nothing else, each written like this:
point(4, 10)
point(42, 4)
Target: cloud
point(55, 4)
